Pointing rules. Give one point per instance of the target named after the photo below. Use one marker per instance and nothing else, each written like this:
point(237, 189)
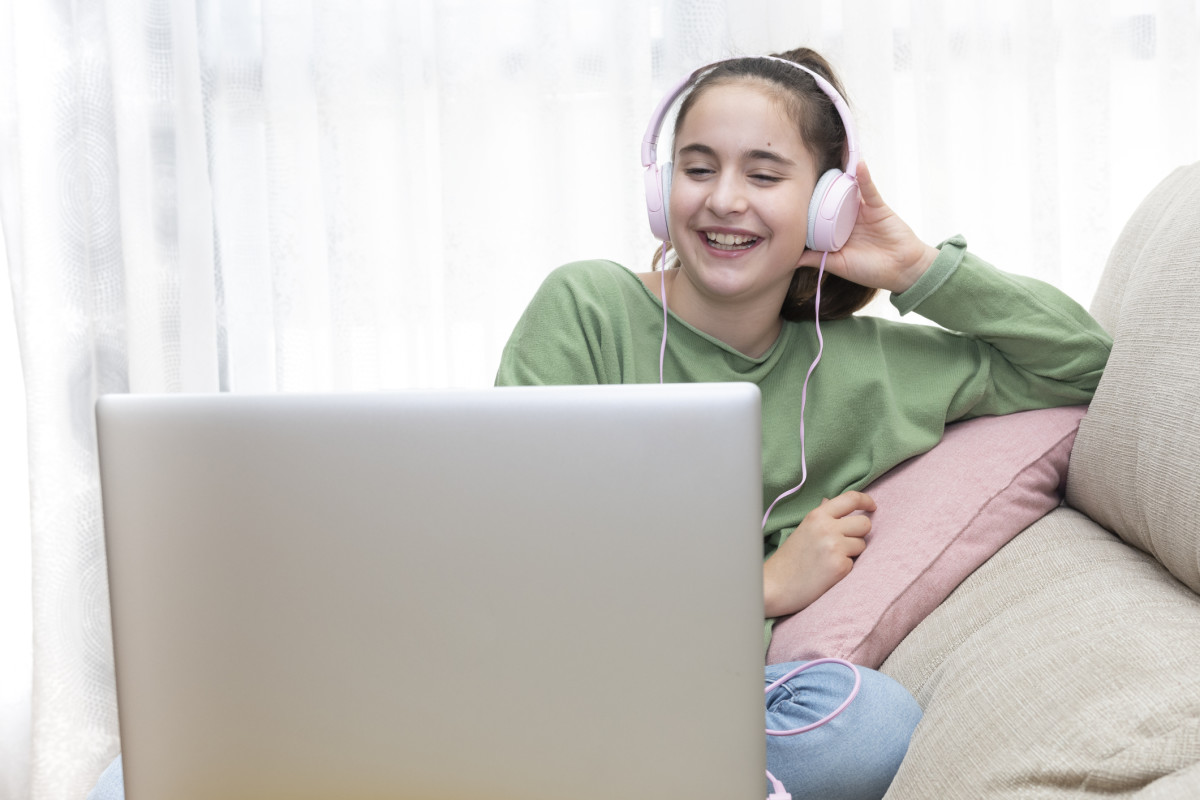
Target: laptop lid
point(521, 592)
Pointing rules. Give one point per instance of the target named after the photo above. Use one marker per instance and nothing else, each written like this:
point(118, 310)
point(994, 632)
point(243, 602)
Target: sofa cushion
point(1064, 666)
point(940, 515)
point(1136, 464)
point(1180, 785)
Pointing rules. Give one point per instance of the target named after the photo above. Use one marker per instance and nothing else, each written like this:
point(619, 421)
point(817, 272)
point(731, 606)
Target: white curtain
point(263, 195)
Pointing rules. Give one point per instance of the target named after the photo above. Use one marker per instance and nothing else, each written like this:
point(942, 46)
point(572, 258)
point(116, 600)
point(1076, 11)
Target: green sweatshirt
point(883, 392)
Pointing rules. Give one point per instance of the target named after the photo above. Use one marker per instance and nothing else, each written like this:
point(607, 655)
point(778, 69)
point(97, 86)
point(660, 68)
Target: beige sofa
point(1068, 665)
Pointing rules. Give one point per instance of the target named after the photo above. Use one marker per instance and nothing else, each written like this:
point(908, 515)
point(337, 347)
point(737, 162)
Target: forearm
point(783, 595)
point(1041, 345)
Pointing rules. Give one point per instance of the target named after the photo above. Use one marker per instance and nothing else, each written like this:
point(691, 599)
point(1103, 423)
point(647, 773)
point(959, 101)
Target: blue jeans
point(854, 756)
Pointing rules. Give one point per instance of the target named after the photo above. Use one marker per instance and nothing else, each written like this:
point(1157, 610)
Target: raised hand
point(882, 251)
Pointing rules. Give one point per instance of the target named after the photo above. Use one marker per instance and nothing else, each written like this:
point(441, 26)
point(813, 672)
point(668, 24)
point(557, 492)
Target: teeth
point(730, 239)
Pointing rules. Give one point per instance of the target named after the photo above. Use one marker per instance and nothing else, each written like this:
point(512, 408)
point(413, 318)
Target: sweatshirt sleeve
point(574, 331)
point(1034, 345)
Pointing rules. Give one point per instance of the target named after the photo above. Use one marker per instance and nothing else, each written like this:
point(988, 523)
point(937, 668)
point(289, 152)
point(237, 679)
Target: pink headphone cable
point(778, 791)
point(662, 351)
point(809, 665)
point(804, 394)
point(662, 282)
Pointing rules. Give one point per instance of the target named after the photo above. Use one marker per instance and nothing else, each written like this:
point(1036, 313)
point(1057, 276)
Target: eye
point(765, 178)
point(698, 172)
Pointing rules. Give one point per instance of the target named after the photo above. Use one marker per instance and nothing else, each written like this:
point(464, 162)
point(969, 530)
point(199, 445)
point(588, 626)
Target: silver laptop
point(504, 593)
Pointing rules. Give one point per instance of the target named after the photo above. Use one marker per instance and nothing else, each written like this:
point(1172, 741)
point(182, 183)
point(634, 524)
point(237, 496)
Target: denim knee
point(855, 755)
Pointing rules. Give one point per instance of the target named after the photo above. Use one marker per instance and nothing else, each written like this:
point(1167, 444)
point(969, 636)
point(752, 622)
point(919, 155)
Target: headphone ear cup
point(666, 175)
point(658, 194)
point(832, 211)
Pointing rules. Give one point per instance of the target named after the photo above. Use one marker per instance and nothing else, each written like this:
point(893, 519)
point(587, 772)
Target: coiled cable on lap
point(779, 792)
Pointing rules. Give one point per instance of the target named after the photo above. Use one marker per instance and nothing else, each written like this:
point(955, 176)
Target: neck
point(749, 325)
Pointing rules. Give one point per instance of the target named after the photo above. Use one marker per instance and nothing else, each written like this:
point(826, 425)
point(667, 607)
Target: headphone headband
point(834, 206)
point(654, 128)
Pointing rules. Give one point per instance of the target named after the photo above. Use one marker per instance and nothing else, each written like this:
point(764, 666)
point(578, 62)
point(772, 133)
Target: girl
point(737, 300)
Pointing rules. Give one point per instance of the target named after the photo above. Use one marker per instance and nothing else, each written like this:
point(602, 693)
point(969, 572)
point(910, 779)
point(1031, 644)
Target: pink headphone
point(834, 205)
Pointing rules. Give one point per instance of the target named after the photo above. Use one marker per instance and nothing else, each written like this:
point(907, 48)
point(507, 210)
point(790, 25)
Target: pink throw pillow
point(940, 515)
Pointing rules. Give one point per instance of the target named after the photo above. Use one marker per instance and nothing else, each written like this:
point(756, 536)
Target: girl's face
point(740, 191)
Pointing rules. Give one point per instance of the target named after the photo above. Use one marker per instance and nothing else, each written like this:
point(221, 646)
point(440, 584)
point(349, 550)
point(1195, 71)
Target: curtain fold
point(292, 195)
point(16, 613)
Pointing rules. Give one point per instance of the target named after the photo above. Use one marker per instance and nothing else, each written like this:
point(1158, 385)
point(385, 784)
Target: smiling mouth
point(730, 241)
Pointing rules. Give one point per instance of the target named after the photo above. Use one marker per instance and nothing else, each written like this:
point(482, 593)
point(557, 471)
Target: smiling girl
point(738, 293)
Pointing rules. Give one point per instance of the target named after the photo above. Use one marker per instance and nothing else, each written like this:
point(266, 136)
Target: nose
point(728, 196)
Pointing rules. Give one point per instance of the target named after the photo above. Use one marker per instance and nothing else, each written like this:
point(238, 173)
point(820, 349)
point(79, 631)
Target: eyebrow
point(752, 155)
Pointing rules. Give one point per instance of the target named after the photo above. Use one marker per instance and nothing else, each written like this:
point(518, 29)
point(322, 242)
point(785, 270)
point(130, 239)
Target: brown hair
point(824, 135)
